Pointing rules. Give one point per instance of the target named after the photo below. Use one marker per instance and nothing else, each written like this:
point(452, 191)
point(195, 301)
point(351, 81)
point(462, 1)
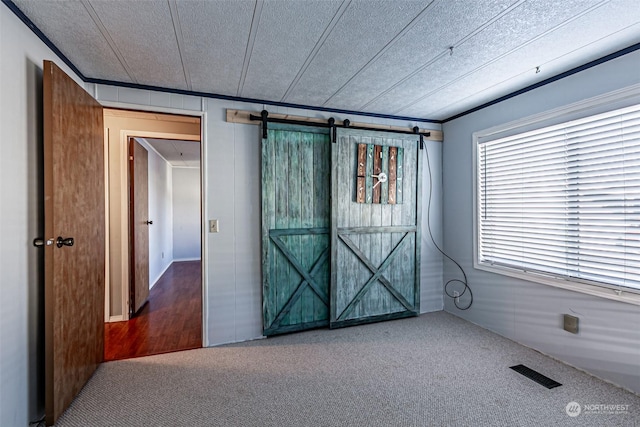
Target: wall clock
point(379, 174)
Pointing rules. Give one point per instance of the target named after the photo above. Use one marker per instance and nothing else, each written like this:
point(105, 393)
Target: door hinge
point(130, 157)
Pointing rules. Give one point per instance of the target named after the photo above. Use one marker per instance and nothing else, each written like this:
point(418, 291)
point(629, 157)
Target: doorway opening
point(154, 199)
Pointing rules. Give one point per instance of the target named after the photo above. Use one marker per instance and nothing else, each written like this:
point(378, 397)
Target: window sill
point(629, 297)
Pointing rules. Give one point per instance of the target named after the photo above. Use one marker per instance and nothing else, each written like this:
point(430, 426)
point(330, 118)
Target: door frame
point(125, 211)
point(124, 171)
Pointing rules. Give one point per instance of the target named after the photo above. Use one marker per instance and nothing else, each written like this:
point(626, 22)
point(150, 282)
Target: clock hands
point(381, 177)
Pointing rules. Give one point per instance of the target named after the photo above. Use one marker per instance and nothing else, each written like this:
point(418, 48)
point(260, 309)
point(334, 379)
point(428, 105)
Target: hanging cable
point(464, 281)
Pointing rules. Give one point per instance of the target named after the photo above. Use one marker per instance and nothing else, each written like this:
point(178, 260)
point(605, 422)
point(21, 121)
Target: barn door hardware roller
point(405, 132)
point(263, 117)
point(332, 124)
point(416, 130)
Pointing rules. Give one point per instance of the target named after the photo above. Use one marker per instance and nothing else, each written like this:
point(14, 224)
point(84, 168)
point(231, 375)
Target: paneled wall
point(231, 178)
point(608, 344)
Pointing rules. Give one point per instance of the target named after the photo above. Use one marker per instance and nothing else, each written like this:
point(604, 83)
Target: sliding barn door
point(295, 229)
point(375, 233)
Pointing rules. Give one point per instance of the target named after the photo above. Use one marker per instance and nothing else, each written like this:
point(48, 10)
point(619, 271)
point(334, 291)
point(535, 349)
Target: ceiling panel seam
point(334, 21)
point(105, 33)
point(177, 28)
point(505, 54)
point(534, 45)
point(445, 53)
point(541, 66)
point(545, 82)
point(382, 51)
point(408, 77)
point(484, 26)
point(255, 23)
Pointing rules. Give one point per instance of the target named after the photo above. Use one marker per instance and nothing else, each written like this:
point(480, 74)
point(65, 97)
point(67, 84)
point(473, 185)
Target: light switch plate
point(213, 226)
point(571, 323)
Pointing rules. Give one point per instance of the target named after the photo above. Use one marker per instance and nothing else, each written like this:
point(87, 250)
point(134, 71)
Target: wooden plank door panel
point(139, 223)
point(295, 229)
point(74, 208)
point(374, 240)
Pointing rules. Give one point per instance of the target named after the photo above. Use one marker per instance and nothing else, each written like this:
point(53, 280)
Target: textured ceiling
point(177, 153)
point(414, 58)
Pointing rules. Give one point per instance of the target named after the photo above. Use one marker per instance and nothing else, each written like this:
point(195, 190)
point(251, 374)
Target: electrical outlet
point(456, 296)
point(213, 226)
point(571, 323)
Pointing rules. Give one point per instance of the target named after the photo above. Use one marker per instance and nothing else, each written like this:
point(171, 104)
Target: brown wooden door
point(139, 224)
point(74, 208)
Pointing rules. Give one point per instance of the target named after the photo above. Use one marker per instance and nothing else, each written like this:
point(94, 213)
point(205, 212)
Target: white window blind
point(564, 200)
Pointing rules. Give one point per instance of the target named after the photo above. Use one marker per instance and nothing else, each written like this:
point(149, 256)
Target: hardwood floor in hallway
point(171, 320)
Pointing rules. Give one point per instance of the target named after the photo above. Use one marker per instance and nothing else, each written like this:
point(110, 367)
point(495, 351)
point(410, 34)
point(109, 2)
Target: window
point(561, 204)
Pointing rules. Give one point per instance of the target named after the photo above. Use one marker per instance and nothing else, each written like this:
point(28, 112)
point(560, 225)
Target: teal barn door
point(375, 227)
point(295, 230)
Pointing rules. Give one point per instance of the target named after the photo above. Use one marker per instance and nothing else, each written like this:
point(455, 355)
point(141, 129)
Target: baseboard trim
point(160, 275)
point(186, 259)
point(118, 318)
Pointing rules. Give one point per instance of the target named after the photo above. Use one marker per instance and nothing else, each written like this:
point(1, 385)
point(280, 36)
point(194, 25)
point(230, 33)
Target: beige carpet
point(435, 370)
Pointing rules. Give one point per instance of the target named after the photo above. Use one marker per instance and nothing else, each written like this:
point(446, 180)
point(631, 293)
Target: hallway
point(171, 320)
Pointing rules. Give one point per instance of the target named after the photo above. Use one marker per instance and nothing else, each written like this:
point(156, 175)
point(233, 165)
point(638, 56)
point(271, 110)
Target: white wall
point(186, 214)
point(232, 195)
point(160, 175)
point(232, 261)
point(234, 255)
point(21, 220)
point(608, 344)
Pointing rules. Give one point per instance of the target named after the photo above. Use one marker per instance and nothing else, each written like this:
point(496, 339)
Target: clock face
point(379, 174)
